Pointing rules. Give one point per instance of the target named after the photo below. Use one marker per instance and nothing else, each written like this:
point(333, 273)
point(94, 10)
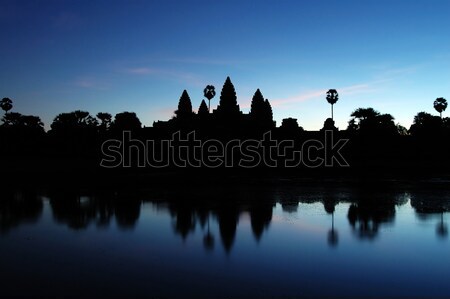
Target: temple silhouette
point(377, 147)
point(227, 116)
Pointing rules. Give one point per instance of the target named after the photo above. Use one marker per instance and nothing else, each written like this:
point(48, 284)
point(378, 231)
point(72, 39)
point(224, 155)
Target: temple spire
point(228, 101)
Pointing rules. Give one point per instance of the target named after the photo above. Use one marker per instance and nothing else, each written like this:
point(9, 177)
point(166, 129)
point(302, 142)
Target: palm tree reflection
point(427, 207)
point(366, 212)
point(332, 234)
point(441, 228)
point(329, 205)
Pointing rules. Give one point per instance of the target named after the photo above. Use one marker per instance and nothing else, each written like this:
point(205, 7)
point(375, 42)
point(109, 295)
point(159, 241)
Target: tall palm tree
point(209, 93)
point(440, 104)
point(6, 104)
point(332, 98)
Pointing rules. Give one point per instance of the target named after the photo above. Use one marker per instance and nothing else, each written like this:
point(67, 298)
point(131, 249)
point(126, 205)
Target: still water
point(272, 241)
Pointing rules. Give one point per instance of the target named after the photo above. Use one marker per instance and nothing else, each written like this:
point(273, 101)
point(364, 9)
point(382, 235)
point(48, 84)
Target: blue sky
point(114, 56)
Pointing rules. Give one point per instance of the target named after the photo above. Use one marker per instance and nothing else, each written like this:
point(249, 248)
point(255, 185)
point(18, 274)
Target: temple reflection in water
point(367, 212)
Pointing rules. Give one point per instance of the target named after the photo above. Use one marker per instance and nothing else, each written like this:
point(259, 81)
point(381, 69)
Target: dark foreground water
point(252, 241)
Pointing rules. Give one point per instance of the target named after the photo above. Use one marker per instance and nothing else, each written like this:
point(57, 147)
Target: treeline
point(365, 122)
point(375, 141)
point(73, 133)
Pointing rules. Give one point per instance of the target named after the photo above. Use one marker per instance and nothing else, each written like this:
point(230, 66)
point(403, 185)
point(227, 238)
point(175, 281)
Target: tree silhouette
point(440, 104)
point(73, 133)
point(105, 119)
point(184, 106)
point(17, 120)
point(32, 121)
point(365, 113)
point(6, 104)
point(332, 98)
point(368, 120)
point(12, 119)
point(425, 124)
point(289, 124)
point(73, 121)
point(362, 117)
point(401, 130)
point(126, 121)
point(329, 125)
point(446, 124)
point(209, 93)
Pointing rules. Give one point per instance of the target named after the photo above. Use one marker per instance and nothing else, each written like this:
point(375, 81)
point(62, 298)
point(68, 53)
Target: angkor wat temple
point(227, 115)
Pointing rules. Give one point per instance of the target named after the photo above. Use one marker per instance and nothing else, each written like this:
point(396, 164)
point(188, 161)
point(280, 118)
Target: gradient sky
point(114, 56)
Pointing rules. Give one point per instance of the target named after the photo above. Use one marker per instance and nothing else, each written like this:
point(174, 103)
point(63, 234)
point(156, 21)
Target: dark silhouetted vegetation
point(377, 145)
point(126, 121)
point(367, 121)
point(332, 98)
point(6, 104)
point(440, 104)
point(209, 92)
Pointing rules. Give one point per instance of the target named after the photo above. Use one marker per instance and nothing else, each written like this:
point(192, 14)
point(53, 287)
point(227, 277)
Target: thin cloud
point(90, 83)
point(357, 89)
point(203, 61)
point(179, 76)
point(298, 98)
point(140, 71)
point(227, 62)
point(385, 73)
point(320, 94)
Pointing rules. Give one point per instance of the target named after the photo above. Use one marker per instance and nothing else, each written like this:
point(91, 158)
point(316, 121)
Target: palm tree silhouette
point(6, 104)
point(440, 104)
point(332, 98)
point(209, 93)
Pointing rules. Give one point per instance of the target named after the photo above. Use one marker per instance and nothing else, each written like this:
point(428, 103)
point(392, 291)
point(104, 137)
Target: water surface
point(233, 242)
